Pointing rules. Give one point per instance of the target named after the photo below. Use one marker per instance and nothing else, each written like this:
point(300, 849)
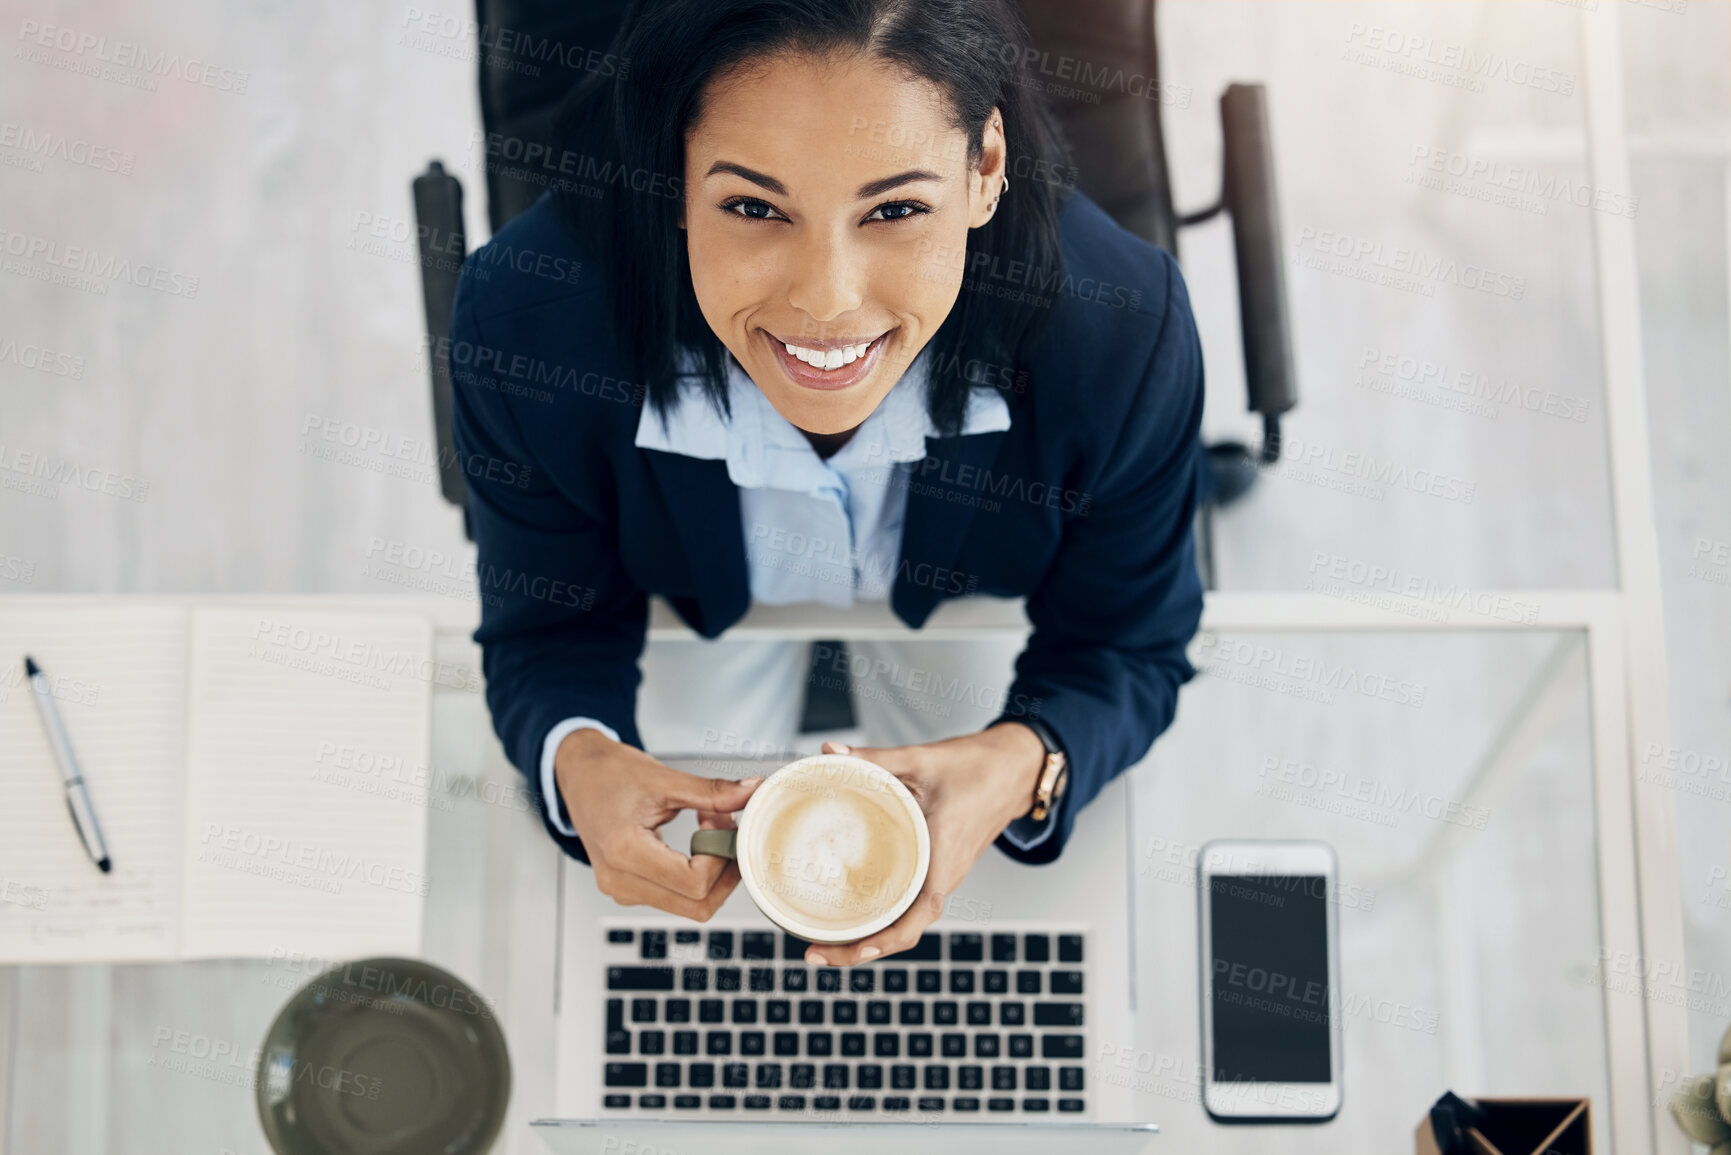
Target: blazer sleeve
point(562, 624)
point(1113, 616)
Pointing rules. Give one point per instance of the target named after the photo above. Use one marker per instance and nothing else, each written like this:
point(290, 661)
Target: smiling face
point(827, 206)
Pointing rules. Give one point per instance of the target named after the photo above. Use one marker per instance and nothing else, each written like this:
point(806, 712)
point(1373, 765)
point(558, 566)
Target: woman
point(801, 244)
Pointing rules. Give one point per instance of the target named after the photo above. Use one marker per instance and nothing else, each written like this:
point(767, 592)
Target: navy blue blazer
point(1083, 506)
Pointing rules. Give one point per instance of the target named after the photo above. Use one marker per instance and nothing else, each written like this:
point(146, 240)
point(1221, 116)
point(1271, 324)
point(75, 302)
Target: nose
point(828, 276)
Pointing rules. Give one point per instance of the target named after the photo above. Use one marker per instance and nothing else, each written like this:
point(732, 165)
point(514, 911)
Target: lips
point(811, 377)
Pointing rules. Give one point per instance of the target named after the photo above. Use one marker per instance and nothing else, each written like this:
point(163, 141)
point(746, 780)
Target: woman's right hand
point(619, 798)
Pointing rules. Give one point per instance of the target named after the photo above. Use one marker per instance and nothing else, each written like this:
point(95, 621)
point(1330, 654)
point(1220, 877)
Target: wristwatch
point(1054, 775)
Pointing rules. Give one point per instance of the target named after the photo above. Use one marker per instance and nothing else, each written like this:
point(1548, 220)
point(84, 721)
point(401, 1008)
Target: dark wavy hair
point(631, 130)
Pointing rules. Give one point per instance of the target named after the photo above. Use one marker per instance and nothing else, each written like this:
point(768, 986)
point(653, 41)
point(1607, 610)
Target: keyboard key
point(929, 982)
point(886, 1044)
point(1035, 1105)
point(1057, 1014)
point(621, 935)
point(615, 1014)
point(757, 1102)
point(653, 945)
point(1027, 982)
point(902, 1077)
point(1069, 948)
point(937, 1077)
point(829, 980)
point(735, 1075)
point(651, 1042)
point(968, 1078)
point(944, 1013)
point(687, 1102)
point(811, 1011)
point(751, 1042)
point(871, 1077)
point(652, 1102)
point(835, 1076)
point(919, 1045)
point(1000, 1104)
point(1071, 1105)
point(913, 1013)
point(643, 1010)
point(826, 1103)
point(819, 1044)
point(1004, 948)
point(728, 978)
point(677, 1010)
point(700, 1075)
point(1003, 1078)
point(790, 1102)
point(1022, 1046)
point(1011, 1014)
point(966, 1104)
point(667, 1074)
point(745, 1010)
point(1060, 1046)
point(862, 1102)
point(694, 979)
point(861, 981)
point(966, 948)
point(932, 1103)
point(618, 1042)
point(955, 1045)
point(985, 1046)
point(794, 980)
point(895, 981)
point(928, 949)
point(1037, 1078)
point(768, 1076)
point(802, 1076)
point(853, 1044)
point(687, 937)
point(761, 980)
point(844, 1012)
point(979, 1014)
point(757, 944)
point(897, 1103)
point(685, 1042)
point(877, 1011)
point(995, 982)
point(639, 978)
point(777, 1011)
point(1037, 948)
point(626, 1075)
point(722, 1102)
point(961, 982)
point(1069, 1079)
point(711, 1011)
point(1066, 982)
point(721, 947)
point(793, 949)
point(787, 1042)
point(718, 1043)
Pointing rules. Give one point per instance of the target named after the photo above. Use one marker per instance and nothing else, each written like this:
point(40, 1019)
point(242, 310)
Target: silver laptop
point(676, 1036)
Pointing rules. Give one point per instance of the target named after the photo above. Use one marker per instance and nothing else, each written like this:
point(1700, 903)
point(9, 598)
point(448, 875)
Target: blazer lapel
point(704, 505)
point(943, 491)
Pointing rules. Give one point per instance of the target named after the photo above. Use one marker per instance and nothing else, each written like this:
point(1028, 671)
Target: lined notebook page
point(302, 720)
point(119, 674)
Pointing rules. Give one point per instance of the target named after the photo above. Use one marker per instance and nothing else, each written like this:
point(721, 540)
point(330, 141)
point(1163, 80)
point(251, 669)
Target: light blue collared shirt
point(816, 530)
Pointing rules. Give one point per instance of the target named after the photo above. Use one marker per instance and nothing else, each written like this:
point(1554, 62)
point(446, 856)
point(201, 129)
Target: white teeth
point(831, 359)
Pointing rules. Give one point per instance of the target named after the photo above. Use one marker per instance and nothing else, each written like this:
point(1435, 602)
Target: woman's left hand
point(970, 788)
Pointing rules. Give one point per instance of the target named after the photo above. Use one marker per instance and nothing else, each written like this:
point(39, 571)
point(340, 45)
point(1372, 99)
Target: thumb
point(722, 795)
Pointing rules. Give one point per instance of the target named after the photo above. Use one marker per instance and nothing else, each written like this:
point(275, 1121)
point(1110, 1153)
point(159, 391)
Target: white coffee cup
point(832, 848)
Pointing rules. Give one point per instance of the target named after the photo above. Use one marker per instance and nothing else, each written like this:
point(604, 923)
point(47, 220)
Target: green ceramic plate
point(384, 1056)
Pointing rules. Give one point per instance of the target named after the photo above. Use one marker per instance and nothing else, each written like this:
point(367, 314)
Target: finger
point(640, 851)
point(900, 935)
point(689, 791)
point(713, 820)
point(631, 890)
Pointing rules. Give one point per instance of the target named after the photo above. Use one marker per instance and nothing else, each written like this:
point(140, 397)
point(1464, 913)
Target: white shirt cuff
point(549, 785)
point(1025, 833)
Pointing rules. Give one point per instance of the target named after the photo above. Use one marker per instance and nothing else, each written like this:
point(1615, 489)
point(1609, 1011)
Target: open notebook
point(240, 761)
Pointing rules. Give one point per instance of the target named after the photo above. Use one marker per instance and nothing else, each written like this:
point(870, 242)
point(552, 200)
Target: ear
point(985, 184)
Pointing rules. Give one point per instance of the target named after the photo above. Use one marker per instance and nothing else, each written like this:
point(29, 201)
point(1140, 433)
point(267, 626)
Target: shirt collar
point(763, 448)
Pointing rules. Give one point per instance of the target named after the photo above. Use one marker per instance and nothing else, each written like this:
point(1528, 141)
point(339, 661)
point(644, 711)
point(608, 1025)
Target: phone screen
point(1269, 978)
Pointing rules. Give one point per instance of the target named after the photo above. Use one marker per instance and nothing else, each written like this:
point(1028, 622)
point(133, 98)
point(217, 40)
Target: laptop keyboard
point(732, 1022)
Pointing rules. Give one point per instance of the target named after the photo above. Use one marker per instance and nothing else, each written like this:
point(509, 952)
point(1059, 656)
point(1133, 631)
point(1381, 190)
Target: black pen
point(77, 797)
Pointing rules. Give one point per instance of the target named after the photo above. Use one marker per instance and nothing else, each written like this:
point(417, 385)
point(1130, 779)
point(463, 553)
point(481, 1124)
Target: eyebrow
point(869, 189)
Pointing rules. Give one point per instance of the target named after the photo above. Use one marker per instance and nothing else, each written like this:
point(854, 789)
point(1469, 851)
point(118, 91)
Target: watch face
point(1062, 783)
